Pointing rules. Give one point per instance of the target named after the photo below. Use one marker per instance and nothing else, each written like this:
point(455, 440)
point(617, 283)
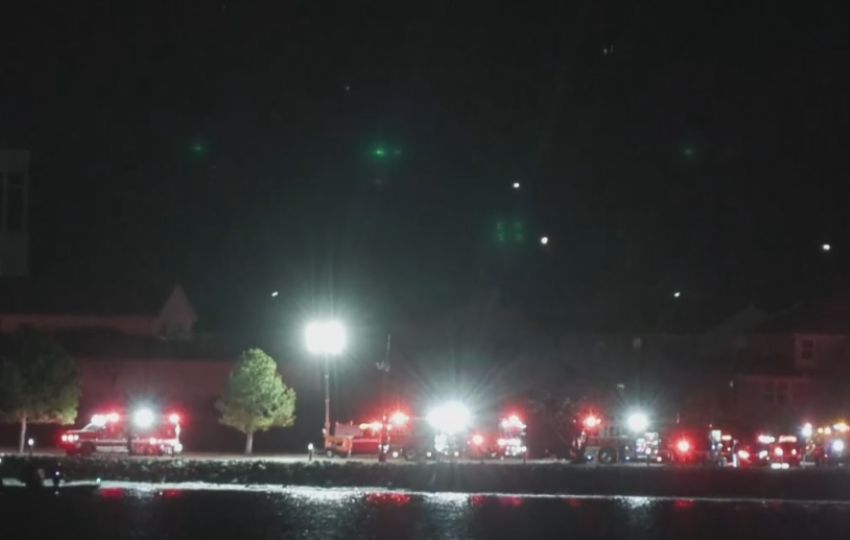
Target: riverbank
point(467, 477)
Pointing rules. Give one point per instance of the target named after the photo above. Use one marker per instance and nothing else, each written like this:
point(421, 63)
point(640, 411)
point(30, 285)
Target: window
point(807, 349)
point(768, 392)
point(782, 393)
point(806, 352)
point(14, 219)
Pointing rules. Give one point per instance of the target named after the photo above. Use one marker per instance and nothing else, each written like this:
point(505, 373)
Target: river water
point(179, 512)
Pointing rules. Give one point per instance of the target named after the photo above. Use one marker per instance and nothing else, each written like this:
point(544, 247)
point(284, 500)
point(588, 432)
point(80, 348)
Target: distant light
point(677, 294)
point(544, 240)
point(683, 446)
point(325, 338)
point(766, 439)
point(174, 418)
point(380, 152)
point(477, 439)
point(30, 442)
point(516, 185)
point(274, 294)
point(450, 417)
point(778, 451)
point(806, 431)
point(837, 446)
point(637, 422)
point(743, 454)
point(143, 418)
point(825, 247)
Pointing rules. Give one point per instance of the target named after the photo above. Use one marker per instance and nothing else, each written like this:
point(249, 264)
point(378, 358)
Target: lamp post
point(326, 339)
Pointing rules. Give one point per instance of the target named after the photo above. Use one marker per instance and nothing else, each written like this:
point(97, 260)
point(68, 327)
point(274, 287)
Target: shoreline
point(552, 479)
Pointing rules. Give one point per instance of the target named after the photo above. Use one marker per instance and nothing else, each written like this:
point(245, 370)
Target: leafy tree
point(38, 383)
point(256, 397)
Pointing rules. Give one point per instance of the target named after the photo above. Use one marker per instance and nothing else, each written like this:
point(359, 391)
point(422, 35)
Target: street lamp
point(325, 339)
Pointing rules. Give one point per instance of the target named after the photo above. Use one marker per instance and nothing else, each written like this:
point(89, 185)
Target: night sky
point(365, 159)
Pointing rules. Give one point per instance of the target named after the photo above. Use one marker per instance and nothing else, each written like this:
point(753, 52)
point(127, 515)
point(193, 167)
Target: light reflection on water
point(229, 512)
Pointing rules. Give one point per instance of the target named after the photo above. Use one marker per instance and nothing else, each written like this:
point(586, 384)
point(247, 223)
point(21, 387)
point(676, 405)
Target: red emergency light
point(591, 421)
point(477, 439)
point(683, 446)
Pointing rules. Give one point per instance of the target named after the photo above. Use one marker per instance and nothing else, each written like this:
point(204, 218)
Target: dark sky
point(700, 149)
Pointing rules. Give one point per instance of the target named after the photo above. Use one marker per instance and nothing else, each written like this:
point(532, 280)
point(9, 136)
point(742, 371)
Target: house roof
point(829, 315)
point(64, 297)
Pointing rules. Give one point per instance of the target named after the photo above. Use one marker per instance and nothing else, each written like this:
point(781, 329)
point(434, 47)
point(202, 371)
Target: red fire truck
point(143, 432)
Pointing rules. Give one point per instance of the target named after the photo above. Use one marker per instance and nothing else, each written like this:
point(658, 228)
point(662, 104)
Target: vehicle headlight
point(838, 446)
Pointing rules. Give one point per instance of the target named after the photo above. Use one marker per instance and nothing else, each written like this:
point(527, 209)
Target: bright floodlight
point(637, 422)
point(143, 418)
point(450, 417)
point(325, 338)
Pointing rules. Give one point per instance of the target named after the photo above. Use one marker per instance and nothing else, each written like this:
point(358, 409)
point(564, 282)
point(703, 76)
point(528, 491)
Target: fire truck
point(624, 441)
point(144, 432)
point(782, 452)
point(366, 438)
point(512, 441)
point(828, 444)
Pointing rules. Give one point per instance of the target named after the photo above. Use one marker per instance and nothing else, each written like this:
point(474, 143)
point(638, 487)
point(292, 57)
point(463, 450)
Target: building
point(14, 194)
point(131, 345)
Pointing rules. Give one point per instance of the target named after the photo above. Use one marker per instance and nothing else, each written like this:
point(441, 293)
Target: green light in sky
point(380, 152)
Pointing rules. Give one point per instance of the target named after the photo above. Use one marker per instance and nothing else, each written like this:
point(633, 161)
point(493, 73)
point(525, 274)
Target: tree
point(38, 383)
point(256, 397)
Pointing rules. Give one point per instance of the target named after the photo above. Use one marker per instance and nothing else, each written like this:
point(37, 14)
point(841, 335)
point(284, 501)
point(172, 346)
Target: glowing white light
point(766, 439)
point(325, 338)
point(274, 294)
point(450, 417)
point(516, 185)
point(778, 451)
point(30, 442)
point(825, 247)
point(637, 422)
point(677, 294)
point(743, 454)
point(174, 418)
point(143, 418)
point(477, 439)
point(838, 446)
point(398, 418)
point(544, 240)
point(806, 430)
point(683, 446)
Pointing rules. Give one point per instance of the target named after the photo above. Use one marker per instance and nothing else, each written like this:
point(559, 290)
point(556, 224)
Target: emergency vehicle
point(512, 441)
point(782, 452)
point(829, 444)
point(618, 441)
point(368, 437)
point(144, 432)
